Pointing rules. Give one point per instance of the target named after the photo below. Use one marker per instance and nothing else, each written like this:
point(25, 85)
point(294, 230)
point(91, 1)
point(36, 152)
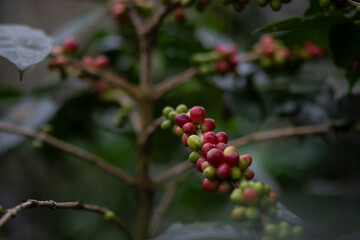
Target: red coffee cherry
point(118, 10)
point(249, 174)
point(250, 196)
point(184, 139)
point(180, 14)
point(247, 158)
point(225, 188)
point(197, 114)
point(189, 128)
point(223, 171)
point(102, 61)
point(274, 198)
point(181, 119)
point(221, 146)
point(232, 158)
point(222, 66)
point(87, 61)
point(215, 157)
point(199, 163)
point(206, 148)
point(210, 185)
point(70, 45)
point(314, 50)
point(208, 125)
point(221, 137)
point(209, 137)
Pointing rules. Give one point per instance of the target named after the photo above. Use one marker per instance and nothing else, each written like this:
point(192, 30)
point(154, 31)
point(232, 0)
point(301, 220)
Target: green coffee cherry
point(182, 108)
point(194, 142)
point(266, 189)
point(236, 196)
point(186, 3)
point(166, 111)
point(243, 185)
point(284, 225)
point(109, 216)
point(324, 3)
point(258, 187)
point(172, 115)
point(166, 124)
point(210, 172)
point(263, 3)
point(275, 5)
point(252, 213)
point(270, 229)
point(1, 209)
point(238, 213)
point(194, 156)
point(239, 6)
point(235, 173)
point(297, 230)
point(265, 202)
point(38, 144)
point(283, 235)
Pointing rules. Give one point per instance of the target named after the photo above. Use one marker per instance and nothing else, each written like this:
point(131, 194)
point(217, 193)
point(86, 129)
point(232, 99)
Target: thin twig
point(255, 137)
point(136, 20)
point(174, 81)
point(69, 148)
point(351, 3)
point(161, 208)
point(31, 203)
point(150, 129)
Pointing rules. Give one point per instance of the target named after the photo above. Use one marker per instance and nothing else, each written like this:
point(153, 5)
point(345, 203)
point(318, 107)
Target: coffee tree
point(131, 79)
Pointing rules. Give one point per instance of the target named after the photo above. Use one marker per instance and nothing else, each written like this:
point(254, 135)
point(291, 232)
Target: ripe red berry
point(221, 137)
point(221, 146)
point(184, 139)
point(210, 185)
point(197, 114)
point(233, 61)
point(222, 66)
point(232, 50)
point(58, 62)
point(70, 45)
point(118, 9)
point(209, 137)
point(225, 188)
point(250, 196)
point(189, 128)
point(102, 61)
point(232, 158)
point(215, 157)
point(206, 148)
point(274, 198)
point(246, 157)
point(223, 171)
point(314, 50)
point(199, 163)
point(180, 14)
point(179, 131)
point(221, 49)
point(181, 119)
point(208, 125)
point(87, 61)
point(249, 174)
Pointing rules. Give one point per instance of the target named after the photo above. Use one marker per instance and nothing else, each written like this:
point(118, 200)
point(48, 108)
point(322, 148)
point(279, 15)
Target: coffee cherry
point(243, 185)
point(229, 149)
point(109, 216)
point(181, 119)
point(210, 172)
point(221, 146)
point(166, 124)
point(197, 114)
point(244, 162)
point(271, 229)
point(314, 50)
point(210, 185)
point(221, 137)
point(215, 157)
point(272, 213)
point(297, 230)
point(236, 196)
point(206, 148)
point(251, 197)
point(324, 3)
point(172, 115)
point(267, 189)
point(223, 171)
point(209, 137)
point(194, 156)
point(58, 62)
point(221, 49)
point(284, 225)
point(248, 157)
point(235, 173)
point(249, 174)
point(283, 235)
point(263, 3)
point(102, 61)
point(232, 158)
point(225, 188)
point(184, 139)
point(275, 5)
point(199, 163)
point(87, 61)
point(189, 128)
point(258, 187)
point(70, 45)
point(233, 62)
point(265, 202)
point(194, 142)
point(179, 131)
point(274, 198)
point(179, 14)
point(167, 110)
point(118, 10)
point(222, 67)
point(208, 125)
point(252, 213)
point(204, 165)
point(238, 213)
point(182, 108)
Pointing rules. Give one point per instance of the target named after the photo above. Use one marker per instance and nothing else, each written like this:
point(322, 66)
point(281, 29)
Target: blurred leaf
point(24, 46)
point(203, 231)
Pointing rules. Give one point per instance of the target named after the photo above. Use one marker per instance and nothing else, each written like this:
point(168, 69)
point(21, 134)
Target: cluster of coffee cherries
point(223, 59)
point(224, 169)
point(332, 5)
point(274, 4)
point(282, 230)
point(274, 53)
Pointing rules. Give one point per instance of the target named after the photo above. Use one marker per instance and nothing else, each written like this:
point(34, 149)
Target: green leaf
point(23, 46)
point(344, 43)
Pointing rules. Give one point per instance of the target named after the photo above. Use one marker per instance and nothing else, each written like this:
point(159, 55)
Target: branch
point(174, 81)
point(69, 148)
point(159, 17)
point(12, 212)
point(351, 3)
point(150, 129)
point(255, 137)
point(136, 20)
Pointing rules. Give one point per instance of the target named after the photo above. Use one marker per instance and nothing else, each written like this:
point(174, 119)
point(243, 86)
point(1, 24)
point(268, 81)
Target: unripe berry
point(182, 108)
point(166, 110)
point(251, 197)
point(194, 156)
point(248, 157)
point(179, 132)
point(243, 185)
point(204, 165)
point(209, 137)
point(258, 187)
point(267, 189)
point(284, 225)
point(166, 124)
point(225, 188)
point(223, 171)
point(189, 128)
point(274, 198)
point(208, 125)
point(221, 146)
point(210, 185)
point(232, 158)
point(265, 202)
point(102, 61)
point(215, 157)
point(199, 163)
point(237, 196)
point(283, 235)
point(194, 142)
point(184, 139)
point(210, 172)
point(221, 137)
point(235, 173)
point(229, 149)
point(206, 148)
point(275, 5)
point(238, 213)
point(172, 115)
point(197, 114)
point(271, 229)
point(252, 213)
point(181, 119)
point(263, 3)
point(109, 216)
point(57, 50)
point(70, 45)
point(297, 230)
point(249, 174)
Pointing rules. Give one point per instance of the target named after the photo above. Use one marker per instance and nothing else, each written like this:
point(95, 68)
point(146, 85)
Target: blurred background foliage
point(317, 177)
